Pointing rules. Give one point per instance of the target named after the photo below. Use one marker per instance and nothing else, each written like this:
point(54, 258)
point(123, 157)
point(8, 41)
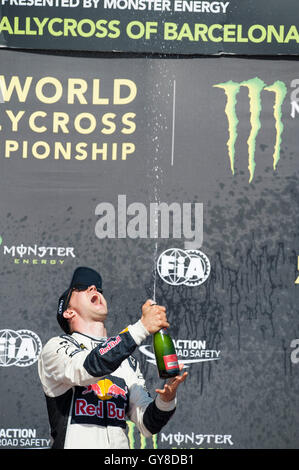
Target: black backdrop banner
point(175, 178)
point(250, 27)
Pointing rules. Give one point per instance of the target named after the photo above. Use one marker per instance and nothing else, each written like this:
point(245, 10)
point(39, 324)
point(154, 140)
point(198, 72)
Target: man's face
point(89, 304)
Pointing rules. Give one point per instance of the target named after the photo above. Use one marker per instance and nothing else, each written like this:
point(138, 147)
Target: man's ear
point(69, 313)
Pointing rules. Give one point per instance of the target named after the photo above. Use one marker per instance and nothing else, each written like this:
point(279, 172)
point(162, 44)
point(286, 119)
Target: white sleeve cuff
point(138, 332)
point(165, 405)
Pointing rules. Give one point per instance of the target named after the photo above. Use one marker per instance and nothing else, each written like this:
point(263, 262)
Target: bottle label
point(171, 362)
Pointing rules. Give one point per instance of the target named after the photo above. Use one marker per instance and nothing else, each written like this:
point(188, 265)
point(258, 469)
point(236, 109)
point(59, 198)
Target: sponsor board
point(154, 26)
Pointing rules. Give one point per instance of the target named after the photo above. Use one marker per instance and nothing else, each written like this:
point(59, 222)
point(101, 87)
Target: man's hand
point(169, 391)
point(153, 317)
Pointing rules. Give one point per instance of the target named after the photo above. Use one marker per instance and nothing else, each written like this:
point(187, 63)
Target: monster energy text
point(35, 254)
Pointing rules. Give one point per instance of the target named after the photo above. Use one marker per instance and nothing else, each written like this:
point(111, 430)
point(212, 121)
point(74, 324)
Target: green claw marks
point(255, 87)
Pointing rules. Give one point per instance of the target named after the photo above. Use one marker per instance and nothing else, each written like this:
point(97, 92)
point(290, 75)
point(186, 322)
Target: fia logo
point(19, 348)
point(188, 267)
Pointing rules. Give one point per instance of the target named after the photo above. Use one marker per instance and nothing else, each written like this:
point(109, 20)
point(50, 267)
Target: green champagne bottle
point(166, 358)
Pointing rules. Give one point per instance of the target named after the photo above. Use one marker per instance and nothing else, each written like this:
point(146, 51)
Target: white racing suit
point(92, 385)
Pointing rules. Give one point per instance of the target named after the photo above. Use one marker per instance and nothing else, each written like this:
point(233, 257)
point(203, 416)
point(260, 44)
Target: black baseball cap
point(82, 278)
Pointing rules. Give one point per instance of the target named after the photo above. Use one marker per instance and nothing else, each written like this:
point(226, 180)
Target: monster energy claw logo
point(143, 440)
point(255, 87)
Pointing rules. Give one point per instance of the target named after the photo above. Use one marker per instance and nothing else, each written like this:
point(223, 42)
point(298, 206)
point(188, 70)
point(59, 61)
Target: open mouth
point(95, 299)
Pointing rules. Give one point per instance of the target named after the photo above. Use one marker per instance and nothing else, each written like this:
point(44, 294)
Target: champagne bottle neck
point(163, 331)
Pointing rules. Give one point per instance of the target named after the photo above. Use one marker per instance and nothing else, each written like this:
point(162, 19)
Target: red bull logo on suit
point(108, 404)
point(106, 389)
